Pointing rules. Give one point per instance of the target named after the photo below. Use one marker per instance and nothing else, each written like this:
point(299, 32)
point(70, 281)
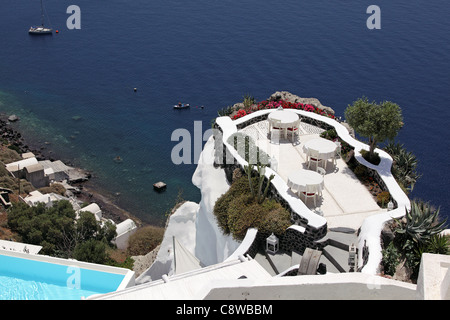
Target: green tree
point(377, 122)
point(86, 226)
point(91, 250)
point(48, 227)
point(59, 233)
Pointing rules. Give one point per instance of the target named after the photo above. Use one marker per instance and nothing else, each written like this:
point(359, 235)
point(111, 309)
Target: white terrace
point(345, 201)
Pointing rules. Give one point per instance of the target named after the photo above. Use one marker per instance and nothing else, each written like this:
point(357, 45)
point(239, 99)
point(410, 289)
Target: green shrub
point(8, 155)
point(419, 232)
point(55, 230)
point(244, 213)
point(91, 250)
point(330, 134)
point(438, 244)
point(383, 198)
point(371, 158)
point(144, 240)
point(391, 259)
point(361, 171)
point(224, 204)
point(237, 210)
point(276, 220)
point(55, 188)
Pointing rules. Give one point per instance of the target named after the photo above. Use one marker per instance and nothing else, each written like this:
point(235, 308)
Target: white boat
point(181, 106)
point(40, 29)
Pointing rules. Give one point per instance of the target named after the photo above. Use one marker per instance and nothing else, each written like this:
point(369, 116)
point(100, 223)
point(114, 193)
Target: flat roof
point(192, 285)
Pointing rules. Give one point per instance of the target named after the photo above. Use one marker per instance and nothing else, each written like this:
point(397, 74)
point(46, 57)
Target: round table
point(305, 181)
point(323, 148)
point(287, 118)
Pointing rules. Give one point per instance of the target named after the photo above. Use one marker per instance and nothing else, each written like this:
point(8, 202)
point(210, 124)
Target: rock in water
point(13, 118)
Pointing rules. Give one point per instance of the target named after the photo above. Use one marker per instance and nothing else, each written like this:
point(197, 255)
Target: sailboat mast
point(42, 14)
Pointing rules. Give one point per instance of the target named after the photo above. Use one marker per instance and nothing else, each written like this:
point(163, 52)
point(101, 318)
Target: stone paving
point(345, 201)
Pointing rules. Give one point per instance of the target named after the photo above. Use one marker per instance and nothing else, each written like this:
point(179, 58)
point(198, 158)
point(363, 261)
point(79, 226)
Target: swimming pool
point(34, 277)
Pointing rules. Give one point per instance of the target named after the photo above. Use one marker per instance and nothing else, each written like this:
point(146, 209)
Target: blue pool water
point(211, 53)
point(24, 279)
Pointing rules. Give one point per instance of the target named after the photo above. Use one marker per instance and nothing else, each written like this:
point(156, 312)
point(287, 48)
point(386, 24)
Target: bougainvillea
point(240, 114)
point(266, 104)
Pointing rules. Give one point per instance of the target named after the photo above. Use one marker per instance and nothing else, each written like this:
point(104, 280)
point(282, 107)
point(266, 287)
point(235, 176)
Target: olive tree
point(377, 122)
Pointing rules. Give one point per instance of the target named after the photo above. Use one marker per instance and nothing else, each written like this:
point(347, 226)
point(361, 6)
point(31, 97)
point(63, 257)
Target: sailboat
point(41, 29)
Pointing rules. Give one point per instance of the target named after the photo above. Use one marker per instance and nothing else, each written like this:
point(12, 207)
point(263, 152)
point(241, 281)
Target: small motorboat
point(181, 105)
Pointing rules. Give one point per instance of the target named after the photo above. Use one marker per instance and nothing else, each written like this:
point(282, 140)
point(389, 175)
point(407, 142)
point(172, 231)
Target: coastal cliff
point(194, 225)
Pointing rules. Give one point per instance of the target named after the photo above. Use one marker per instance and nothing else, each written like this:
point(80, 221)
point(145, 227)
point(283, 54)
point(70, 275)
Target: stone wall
point(287, 96)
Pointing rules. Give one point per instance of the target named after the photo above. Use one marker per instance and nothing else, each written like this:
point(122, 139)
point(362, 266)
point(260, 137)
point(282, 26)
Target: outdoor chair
point(310, 192)
point(295, 129)
point(275, 130)
point(313, 157)
point(323, 172)
point(338, 151)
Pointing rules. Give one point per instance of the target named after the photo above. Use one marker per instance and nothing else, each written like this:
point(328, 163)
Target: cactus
point(421, 223)
point(248, 170)
point(257, 191)
point(264, 195)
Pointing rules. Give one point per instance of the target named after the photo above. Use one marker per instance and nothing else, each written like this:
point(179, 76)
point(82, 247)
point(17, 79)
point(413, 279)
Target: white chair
point(321, 170)
point(310, 192)
point(275, 129)
point(295, 188)
point(338, 151)
point(295, 129)
point(338, 148)
point(313, 157)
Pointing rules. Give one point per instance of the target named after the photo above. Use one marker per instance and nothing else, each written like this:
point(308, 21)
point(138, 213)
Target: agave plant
point(439, 244)
point(249, 100)
point(422, 223)
point(226, 111)
point(405, 165)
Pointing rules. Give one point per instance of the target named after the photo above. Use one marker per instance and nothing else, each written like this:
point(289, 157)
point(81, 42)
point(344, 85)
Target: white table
point(286, 117)
point(305, 181)
point(321, 148)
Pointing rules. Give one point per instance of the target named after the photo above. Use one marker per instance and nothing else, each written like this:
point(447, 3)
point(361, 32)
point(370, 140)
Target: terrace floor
point(345, 201)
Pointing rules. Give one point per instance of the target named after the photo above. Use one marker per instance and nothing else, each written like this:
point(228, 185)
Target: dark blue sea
point(75, 90)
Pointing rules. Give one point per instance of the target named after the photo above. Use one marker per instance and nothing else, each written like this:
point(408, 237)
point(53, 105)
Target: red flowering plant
point(271, 104)
point(240, 114)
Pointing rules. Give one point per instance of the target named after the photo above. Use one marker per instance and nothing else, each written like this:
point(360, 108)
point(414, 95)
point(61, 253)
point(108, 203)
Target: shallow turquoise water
point(24, 279)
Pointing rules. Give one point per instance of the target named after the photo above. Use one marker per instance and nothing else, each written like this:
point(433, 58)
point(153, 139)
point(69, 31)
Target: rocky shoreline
point(87, 193)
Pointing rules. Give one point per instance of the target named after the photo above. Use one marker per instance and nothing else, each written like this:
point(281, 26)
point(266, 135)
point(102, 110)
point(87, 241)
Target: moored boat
point(181, 105)
point(40, 29)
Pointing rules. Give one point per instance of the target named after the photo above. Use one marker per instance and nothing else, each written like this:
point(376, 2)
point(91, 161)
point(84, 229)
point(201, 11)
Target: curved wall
point(369, 238)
